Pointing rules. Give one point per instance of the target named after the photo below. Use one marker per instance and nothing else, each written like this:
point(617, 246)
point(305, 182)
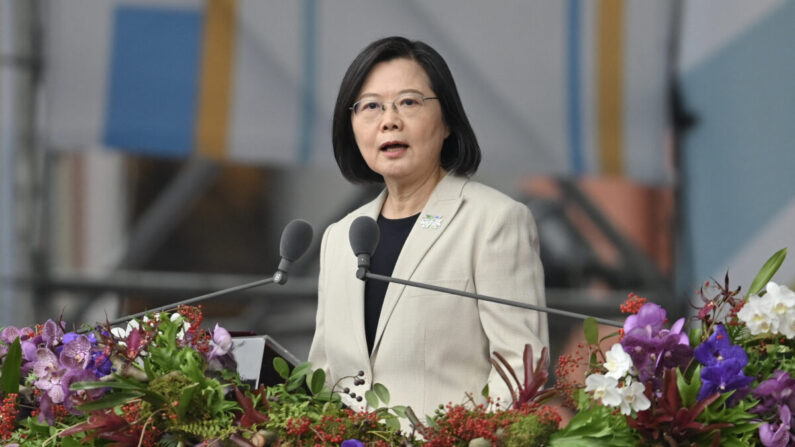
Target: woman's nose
point(390, 119)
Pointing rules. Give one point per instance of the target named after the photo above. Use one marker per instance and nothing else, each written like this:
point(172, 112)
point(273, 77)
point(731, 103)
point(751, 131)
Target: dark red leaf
point(250, 414)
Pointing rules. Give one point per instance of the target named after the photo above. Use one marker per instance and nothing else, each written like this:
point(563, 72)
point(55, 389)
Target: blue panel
point(153, 85)
point(739, 161)
point(574, 100)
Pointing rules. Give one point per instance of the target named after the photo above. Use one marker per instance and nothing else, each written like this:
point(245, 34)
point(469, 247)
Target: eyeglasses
point(407, 105)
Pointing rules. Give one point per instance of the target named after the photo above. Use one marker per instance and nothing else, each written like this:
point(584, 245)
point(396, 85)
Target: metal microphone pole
point(172, 306)
point(564, 313)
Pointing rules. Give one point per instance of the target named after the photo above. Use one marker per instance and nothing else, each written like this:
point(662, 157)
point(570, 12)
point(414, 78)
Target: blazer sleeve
point(508, 266)
point(317, 351)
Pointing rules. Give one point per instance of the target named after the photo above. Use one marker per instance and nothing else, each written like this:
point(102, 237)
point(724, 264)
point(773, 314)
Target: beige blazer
point(431, 348)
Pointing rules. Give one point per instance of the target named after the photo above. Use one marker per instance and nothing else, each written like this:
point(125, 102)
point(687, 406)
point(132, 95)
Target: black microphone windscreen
point(364, 235)
point(296, 238)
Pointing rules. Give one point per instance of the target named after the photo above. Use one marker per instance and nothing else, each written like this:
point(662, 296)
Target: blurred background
point(153, 150)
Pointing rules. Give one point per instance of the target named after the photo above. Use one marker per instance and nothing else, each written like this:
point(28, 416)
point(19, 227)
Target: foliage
point(594, 425)
point(466, 425)
point(728, 381)
point(164, 381)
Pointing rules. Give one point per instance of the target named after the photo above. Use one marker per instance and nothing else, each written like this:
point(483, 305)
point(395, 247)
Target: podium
point(254, 355)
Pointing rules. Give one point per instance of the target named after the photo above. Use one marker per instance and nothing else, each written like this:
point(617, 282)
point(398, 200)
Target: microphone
point(296, 238)
point(364, 235)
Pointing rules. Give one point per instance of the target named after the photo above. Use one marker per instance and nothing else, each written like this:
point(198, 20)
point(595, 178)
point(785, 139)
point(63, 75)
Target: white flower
point(633, 397)
point(780, 293)
point(774, 313)
point(783, 308)
point(118, 332)
point(604, 388)
point(617, 362)
point(757, 314)
point(789, 329)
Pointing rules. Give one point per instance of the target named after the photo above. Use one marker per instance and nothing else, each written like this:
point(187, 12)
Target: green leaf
point(110, 400)
point(382, 393)
point(689, 391)
point(768, 270)
point(301, 370)
point(71, 442)
point(399, 410)
point(79, 386)
point(413, 418)
point(392, 423)
point(612, 334)
point(591, 328)
point(371, 398)
point(9, 382)
point(281, 367)
point(325, 395)
point(317, 381)
point(185, 399)
point(431, 423)
point(294, 384)
point(485, 391)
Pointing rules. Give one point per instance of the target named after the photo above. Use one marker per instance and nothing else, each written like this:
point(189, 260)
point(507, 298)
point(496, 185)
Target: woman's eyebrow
point(376, 95)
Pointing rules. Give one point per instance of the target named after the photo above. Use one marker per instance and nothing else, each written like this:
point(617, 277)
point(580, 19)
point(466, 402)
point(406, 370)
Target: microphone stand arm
point(275, 278)
point(564, 313)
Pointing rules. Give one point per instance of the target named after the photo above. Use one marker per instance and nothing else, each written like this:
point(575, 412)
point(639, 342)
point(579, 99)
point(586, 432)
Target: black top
point(394, 233)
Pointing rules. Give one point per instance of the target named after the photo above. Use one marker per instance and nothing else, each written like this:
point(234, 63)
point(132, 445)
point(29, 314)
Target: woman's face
point(401, 148)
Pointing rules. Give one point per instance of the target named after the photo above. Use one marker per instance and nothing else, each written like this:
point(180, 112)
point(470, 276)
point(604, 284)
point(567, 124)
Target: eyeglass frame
point(393, 102)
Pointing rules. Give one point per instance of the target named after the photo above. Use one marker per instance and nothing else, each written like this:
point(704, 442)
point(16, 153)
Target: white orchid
point(617, 362)
point(756, 315)
point(772, 313)
point(633, 397)
point(604, 388)
point(783, 308)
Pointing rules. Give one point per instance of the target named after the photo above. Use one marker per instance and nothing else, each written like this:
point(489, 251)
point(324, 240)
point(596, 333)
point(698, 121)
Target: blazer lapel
point(355, 286)
point(434, 219)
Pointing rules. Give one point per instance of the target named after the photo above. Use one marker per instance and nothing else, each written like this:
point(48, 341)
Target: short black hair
point(460, 151)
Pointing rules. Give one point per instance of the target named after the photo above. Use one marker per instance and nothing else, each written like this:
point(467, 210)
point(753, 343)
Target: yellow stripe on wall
point(217, 69)
point(610, 28)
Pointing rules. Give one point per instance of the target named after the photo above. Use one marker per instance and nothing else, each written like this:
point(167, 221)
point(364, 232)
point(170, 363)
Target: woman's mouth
point(393, 146)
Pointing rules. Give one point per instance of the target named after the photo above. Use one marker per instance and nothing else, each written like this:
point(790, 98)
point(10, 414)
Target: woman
point(399, 121)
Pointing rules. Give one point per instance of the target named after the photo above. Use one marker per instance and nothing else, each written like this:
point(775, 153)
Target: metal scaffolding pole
point(18, 70)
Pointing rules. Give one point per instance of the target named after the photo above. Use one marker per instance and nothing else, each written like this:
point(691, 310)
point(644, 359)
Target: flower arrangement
point(729, 379)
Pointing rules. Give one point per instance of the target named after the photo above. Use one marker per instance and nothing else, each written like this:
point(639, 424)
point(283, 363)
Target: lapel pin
point(430, 221)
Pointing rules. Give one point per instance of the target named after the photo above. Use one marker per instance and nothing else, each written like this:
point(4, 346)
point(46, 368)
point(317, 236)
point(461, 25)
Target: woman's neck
point(404, 200)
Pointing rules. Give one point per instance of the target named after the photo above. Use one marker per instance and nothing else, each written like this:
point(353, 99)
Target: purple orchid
point(718, 348)
point(724, 363)
point(352, 443)
point(79, 352)
point(775, 391)
point(76, 353)
point(220, 357)
point(650, 318)
point(776, 397)
point(52, 333)
point(29, 357)
point(10, 333)
point(778, 435)
point(222, 342)
point(49, 374)
point(722, 378)
point(653, 348)
point(79, 375)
